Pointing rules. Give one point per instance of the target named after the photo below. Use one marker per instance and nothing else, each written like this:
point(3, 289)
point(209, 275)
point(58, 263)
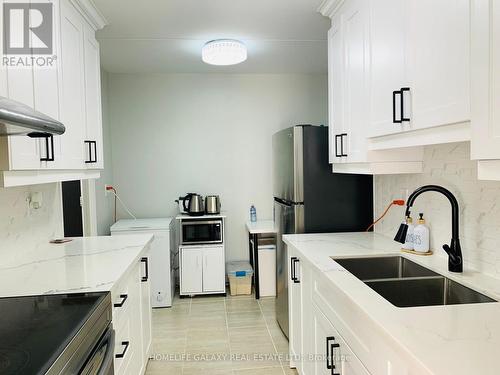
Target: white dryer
point(162, 258)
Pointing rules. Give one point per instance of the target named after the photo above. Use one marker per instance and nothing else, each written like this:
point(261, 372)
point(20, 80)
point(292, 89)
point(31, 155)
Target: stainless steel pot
point(212, 204)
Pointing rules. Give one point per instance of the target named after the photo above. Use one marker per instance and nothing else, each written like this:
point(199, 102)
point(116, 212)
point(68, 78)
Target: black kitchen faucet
point(454, 251)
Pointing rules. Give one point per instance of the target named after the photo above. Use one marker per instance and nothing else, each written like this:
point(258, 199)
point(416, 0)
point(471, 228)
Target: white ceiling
point(166, 36)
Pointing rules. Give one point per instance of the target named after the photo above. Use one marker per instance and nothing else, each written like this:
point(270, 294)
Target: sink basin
point(406, 284)
point(391, 267)
point(430, 291)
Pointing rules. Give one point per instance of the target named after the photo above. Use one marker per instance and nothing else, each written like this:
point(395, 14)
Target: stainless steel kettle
point(212, 204)
point(193, 204)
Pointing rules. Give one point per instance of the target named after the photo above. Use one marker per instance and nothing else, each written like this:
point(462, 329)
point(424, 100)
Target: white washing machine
point(162, 254)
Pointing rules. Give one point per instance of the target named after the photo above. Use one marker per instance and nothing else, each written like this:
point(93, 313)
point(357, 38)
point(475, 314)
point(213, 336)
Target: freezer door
point(288, 179)
point(285, 221)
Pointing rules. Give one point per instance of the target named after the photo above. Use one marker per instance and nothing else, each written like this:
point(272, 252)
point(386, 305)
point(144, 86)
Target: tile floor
point(218, 336)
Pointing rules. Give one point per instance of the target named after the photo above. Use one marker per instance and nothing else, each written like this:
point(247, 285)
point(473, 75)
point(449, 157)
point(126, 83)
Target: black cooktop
point(34, 330)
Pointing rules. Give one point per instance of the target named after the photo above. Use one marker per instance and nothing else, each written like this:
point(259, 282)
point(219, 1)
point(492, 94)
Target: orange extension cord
point(397, 202)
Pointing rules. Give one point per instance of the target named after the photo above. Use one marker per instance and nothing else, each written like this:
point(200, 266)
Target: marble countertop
point(454, 339)
point(261, 226)
point(89, 264)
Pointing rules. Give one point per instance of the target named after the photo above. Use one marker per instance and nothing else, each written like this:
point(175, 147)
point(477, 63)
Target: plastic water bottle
point(253, 214)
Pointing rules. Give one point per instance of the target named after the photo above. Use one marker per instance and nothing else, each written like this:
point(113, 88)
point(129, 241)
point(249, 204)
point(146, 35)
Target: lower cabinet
point(295, 305)
point(332, 355)
point(202, 270)
point(132, 320)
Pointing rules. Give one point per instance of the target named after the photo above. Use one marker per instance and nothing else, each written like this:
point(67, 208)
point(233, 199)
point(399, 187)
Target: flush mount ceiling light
point(224, 52)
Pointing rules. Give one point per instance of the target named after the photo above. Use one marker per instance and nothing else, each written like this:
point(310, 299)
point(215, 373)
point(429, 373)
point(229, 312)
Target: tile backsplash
point(448, 165)
point(23, 229)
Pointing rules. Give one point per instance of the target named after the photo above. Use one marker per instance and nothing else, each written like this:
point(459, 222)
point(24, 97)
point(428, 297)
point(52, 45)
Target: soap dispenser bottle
point(408, 245)
point(421, 236)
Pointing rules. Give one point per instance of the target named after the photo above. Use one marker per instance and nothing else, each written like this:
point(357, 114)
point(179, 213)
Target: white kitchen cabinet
point(485, 143)
point(131, 319)
point(191, 271)
point(68, 91)
point(73, 92)
point(202, 270)
point(295, 305)
point(93, 115)
point(419, 64)
point(333, 354)
point(349, 83)
point(214, 269)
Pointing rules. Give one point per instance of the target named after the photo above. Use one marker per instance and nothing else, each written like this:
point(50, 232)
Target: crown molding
point(328, 7)
point(88, 9)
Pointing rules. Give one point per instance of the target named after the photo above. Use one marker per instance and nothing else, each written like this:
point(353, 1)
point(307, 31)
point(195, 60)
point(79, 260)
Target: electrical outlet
point(106, 191)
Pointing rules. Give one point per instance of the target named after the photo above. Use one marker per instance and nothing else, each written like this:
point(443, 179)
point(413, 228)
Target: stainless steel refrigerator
point(309, 198)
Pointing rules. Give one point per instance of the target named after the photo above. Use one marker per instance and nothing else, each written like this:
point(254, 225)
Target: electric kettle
point(212, 204)
point(193, 204)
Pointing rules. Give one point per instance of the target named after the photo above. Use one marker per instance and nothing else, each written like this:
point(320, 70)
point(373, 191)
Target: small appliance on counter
point(212, 205)
point(57, 334)
point(192, 204)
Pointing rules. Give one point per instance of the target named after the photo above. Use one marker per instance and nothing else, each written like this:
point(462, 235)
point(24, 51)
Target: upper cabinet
point(485, 42)
point(399, 79)
point(419, 65)
point(68, 90)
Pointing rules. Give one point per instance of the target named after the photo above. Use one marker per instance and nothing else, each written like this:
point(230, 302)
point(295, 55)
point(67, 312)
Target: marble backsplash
point(23, 229)
point(450, 166)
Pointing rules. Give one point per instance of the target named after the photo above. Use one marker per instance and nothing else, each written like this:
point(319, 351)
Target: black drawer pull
point(337, 154)
point(394, 104)
point(49, 148)
point(146, 269)
point(124, 298)
point(329, 359)
point(91, 144)
point(403, 90)
point(292, 268)
point(342, 144)
point(122, 354)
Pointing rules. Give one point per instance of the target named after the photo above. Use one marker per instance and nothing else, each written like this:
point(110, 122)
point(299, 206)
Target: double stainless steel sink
point(407, 284)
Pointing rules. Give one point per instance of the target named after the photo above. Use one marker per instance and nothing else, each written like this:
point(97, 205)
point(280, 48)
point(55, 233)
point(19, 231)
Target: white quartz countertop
point(89, 264)
point(454, 339)
point(261, 227)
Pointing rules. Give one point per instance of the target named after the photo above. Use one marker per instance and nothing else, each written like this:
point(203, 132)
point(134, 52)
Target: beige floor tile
point(206, 299)
point(204, 309)
point(245, 319)
point(163, 368)
point(290, 371)
point(239, 305)
point(260, 371)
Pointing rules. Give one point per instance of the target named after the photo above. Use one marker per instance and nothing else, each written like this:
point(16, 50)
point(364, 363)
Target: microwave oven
point(201, 231)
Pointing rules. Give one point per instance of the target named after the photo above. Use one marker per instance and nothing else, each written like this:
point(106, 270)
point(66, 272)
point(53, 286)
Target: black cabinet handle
point(329, 359)
point(342, 144)
point(294, 262)
point(122, 354)
point(124, 298)
point(146, 269)
point(49, 148)
point(394, 104)
point(91, 144)
point(292, 268)
point(403, 90)
point(337, 154)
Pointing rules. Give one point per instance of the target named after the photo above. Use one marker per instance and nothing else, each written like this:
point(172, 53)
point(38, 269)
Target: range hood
point(19, 119)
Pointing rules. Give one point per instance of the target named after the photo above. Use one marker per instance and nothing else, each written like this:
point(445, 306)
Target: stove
point(54, 334)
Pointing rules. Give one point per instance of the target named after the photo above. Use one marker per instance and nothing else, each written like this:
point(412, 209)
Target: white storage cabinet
point(202, 269)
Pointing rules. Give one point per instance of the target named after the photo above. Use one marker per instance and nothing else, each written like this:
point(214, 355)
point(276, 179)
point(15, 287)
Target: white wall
point(22, 229)
point(104, 205)
point(211, 134)
point(450, 166)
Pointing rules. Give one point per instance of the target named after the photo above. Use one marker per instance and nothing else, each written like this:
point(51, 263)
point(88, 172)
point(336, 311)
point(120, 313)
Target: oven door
point(100, 361)
point(197, 232)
